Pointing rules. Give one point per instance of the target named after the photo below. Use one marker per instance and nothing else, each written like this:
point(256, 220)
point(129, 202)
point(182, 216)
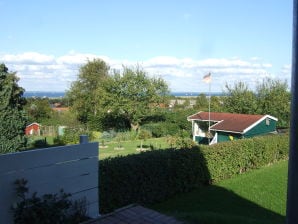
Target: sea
point(48, 94)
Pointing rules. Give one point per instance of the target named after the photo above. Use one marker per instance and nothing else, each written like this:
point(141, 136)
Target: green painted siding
point(201, 140)
point(225, 136)
point(261, 129)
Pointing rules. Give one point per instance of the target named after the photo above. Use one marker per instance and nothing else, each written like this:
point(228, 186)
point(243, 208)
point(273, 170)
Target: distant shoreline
point(49, 94)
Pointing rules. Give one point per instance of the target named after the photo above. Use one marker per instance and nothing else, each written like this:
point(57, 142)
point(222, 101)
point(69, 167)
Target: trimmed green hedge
point(228, 159)
point(156, 175)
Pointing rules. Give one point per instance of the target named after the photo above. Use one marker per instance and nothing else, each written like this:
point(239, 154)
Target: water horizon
point(61, 94)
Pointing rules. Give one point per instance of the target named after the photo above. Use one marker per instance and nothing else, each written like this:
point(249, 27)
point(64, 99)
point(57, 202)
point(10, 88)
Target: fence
point(71, 168)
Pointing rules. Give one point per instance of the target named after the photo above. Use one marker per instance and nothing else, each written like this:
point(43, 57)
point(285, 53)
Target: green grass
point(255, 197)
point(130, 147)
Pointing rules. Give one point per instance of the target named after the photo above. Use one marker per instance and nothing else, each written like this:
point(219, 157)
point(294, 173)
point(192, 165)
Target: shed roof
point(230, 122)
point(31, 124)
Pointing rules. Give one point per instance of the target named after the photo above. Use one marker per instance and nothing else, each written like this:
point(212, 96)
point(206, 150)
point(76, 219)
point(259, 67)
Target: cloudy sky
point(46, 42)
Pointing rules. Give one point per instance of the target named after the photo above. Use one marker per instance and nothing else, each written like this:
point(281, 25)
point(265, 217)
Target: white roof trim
point(244, 131)
point(227, 131)
point(32, 124)
point(259, 121)
point(193, 115)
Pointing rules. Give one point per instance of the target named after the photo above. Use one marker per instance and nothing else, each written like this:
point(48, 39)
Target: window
point(267, 121)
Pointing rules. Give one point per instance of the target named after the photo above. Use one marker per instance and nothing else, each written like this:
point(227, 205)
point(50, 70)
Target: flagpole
point(209, 112)
point(207, 79)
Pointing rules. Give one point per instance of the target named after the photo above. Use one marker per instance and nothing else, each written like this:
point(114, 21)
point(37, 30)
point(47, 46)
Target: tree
point(271, 97)
point(239, 99)
point(274, 99)
point(38, 109)
point(202, 102)
point(133, 95)
point(12, 116)
point(85, 93)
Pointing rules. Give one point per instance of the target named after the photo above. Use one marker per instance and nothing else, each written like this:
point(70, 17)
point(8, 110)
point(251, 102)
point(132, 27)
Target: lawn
point(112, 149)
point(254, 197)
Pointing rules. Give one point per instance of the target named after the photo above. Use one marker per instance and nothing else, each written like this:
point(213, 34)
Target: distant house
point(60, 109)
point(33, 129)
point(229, 126)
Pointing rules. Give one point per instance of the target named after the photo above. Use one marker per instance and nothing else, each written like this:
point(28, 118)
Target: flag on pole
point(207, 78)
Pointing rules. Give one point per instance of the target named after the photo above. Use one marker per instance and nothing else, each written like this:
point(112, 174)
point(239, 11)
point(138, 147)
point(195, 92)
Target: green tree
point(240, 99)
point(85, 93)
point(271, 97)
point(274, 99)
point(12, 116)
point(202, 102)
point(38, 109)
point(143, 136)
point(216, 104)
point(133, 95)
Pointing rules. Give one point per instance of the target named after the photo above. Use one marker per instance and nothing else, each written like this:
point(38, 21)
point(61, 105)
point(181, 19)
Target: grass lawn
point(257, 196)
point(130, 147)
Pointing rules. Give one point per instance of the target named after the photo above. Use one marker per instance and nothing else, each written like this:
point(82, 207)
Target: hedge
point(156, 175)
point(228, 159)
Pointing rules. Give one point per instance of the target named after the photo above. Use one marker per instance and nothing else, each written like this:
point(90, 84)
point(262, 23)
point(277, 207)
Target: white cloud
point(41, 72)
point(28, 58)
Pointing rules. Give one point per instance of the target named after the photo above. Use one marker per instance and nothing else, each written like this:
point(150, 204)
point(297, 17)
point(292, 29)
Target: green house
point(213, 127)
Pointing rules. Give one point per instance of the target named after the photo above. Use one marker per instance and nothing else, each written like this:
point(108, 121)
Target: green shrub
point(162, 129)
point(156, 175)
point(231, 158)
point(50, 208)
point(178, 142)
point(72, 135)
point(149, 177)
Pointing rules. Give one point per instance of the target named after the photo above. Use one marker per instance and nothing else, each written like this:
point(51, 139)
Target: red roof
point(230, 122)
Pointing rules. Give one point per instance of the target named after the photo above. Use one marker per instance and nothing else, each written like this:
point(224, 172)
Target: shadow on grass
point(214, 205)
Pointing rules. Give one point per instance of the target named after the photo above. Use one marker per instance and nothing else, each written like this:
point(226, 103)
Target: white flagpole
point(209, 112)
point(207, 78)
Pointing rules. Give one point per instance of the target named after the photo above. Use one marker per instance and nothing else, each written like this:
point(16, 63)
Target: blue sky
point(47, 41)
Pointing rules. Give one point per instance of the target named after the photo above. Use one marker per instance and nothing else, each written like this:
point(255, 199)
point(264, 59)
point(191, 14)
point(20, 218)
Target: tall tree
point(202, 102)
point(133, 95)
point(12, 116)
point(274, 99)
point(271, 97)
point(240, 99)
point(85, 93)
point(38, 109)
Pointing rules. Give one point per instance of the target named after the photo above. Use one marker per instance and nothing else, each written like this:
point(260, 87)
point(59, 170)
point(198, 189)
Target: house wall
point(261, 129)
point(225, 136)
point(201, 140)
point(32, 129)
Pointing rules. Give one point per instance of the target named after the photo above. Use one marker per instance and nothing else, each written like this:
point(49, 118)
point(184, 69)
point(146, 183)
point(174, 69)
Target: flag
point(207, 78)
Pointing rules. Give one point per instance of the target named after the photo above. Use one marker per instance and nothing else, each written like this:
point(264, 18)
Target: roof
point(34, 123)
point(60, 109)
point(230, 122)
point(134, 214)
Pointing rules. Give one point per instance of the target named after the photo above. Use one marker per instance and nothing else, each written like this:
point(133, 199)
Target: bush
point(178, 142)
point(149, 177)
point(72, 135)
point(108, 135)
point(50, 208)
point(228, 159)
point(156, 175)
point(161, 129)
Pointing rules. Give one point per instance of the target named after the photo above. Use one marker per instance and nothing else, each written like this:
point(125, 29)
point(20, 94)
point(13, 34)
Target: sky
point(46, 42)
